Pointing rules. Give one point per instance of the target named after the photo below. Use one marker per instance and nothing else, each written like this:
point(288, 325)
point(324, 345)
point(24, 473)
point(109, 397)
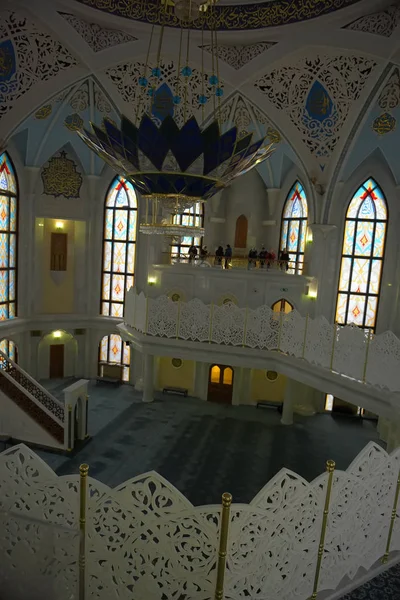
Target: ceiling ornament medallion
point(44, 112)
point(174, 159)
point(238, 56)
point(61, 178)
point(385, 123)
point(272, 13)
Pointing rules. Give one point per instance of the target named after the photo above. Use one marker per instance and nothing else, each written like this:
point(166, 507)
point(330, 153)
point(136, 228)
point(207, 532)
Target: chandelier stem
point(160, 43)
point(202, 65)
point(178, 73)
point(212, 55)
point(187, 62)
point(217, 62)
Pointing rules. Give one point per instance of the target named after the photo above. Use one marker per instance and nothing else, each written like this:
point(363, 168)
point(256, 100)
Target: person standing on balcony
point(271, 257)
point(251, 263)
point(192, 253)
point(203, 254)
point(284, 259)
point(219, 253)
point(262, 256)
point(228, 256)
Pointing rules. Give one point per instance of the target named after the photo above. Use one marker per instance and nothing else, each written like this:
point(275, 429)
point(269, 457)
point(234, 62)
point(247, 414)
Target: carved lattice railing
point(348, 350)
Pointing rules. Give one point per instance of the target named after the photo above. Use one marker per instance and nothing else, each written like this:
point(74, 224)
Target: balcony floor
point(205, 449)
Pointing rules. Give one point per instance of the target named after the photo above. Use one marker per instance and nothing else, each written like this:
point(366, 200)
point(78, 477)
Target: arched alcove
point(57, 355)
point(241, 232)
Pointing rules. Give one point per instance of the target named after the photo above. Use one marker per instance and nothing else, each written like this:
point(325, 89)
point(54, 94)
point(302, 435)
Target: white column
point(148, 378)
point(288, 403)
point(201, 380)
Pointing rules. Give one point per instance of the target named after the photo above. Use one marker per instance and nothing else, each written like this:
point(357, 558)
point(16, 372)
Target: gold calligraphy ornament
point(385, 123)
point(61, 178)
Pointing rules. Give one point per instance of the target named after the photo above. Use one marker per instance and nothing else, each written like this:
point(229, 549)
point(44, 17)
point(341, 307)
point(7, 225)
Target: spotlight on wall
point(151, 280)
point(57, 334)
point(309, 236)
point(59, 225)
point(312, 294)
point(40, 224)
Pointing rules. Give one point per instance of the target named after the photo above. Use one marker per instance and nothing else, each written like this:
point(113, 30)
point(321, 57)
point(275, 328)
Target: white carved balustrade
point(348, 350)
point(144, 539)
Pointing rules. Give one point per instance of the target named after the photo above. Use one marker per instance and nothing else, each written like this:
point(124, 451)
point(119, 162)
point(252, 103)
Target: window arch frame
point(198, 221)
point(108, 305)
point(352, 257)
point(297, 268)
point(283, 302)
point(10, 195)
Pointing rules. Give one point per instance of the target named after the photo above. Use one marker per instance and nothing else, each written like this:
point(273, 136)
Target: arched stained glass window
point(294, 227)
point(362, 257)
point(114, 351)
point(8, 238)
point(120, 216)
point(194, 217)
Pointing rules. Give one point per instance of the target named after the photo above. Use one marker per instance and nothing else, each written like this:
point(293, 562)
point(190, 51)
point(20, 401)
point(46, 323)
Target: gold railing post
point(366, 357)
point(245, 327)
point(211, 323)
point(392, 520)
point(83, 473)
point(223, 544)
point(333, 344)
point(280, 330)
point(305, 337)
point(330, 468)
point(178, 317)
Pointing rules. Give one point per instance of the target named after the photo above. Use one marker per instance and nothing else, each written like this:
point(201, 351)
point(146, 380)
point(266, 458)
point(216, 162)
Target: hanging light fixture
point(172, 160)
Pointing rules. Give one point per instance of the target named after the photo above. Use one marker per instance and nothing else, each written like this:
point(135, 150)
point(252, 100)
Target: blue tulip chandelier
point(171, 159)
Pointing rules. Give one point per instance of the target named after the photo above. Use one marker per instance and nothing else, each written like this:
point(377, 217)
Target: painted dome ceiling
point(230, 15)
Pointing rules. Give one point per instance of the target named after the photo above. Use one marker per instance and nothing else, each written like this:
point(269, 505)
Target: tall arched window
point(294, 227)
point(8, 239)
point(193, 216)
point(120, 215)
point(114, 351)
point(362, 257)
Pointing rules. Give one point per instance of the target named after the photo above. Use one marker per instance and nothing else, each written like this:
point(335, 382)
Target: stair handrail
point(31, 397)
point(45, 399)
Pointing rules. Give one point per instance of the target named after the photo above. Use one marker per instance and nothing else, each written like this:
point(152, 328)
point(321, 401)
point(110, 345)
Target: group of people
point(265, 257)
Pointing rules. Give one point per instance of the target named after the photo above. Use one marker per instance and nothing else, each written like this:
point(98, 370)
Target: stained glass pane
point(355, 312)
point(117, 288)
point(132, 225)
point(8, 181)
point(293, 235)
point(117, 310)
point(104, 349)
point(344, 279)
point(375, 279)
point(4, 237)
point(364, 236)
point(11, 287)
point(4, 286)
point(106, 286)
point(128, 283)
point(127, 354)
point(348, 237)
point(119, 257)
point(107, 256)
point(115, 351)
point(379, 241)
point(13, 250)
point(105, 309)
point(359, 278)
point(3, 312)
point(11, 310)
point(131, 258)
point(13, 214)
point(121, 225)
point(4, 212)
point(108, 227)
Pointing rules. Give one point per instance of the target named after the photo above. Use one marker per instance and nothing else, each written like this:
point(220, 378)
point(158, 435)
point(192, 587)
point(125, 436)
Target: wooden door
point(56, 361)
point(220, 384)
point(241, 232)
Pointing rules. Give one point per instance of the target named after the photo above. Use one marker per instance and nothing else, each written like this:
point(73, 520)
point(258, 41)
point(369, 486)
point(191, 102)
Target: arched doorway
point(220, 384)
point(282, 305)
point(241, 232)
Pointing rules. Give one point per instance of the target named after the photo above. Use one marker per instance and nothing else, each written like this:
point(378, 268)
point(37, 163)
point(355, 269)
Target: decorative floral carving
point(101, 102)
point(98, 38)
point(125, 77)
point(238, 56)
point(317, 94)
point(382, 22)
point(61, 177)
point(73, 122)
point(80, 100)
point(37, 57)
point(390, 95)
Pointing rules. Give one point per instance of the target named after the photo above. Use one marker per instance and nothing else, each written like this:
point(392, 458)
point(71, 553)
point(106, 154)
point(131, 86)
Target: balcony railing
point(346, 350)
point(235, 262)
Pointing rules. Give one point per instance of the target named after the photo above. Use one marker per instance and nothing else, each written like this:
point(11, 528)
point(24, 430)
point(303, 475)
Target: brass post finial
point(226, 499)
point(330, 466)
point(84, 470)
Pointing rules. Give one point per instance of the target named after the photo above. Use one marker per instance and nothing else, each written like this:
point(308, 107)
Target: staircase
point(34, 400)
